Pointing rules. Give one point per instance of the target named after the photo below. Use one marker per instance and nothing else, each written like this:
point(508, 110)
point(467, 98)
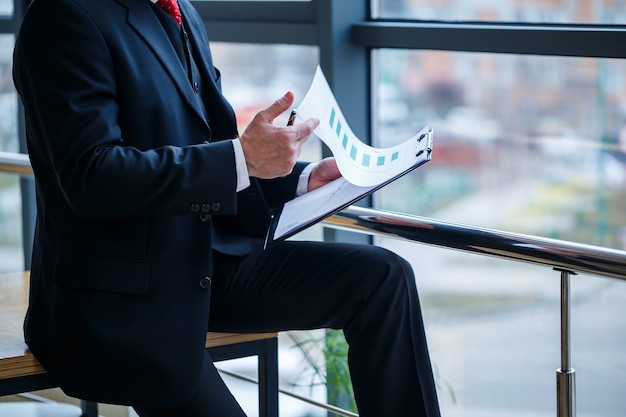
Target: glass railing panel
point(11, 252)
point(494, 337)
point(525, 144)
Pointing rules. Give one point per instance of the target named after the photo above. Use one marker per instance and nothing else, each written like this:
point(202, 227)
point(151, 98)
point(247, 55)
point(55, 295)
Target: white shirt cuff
point(303, 180)
point(243, 179)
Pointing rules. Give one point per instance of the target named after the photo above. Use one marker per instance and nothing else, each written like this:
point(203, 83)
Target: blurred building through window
point(6, 7)
point(539, 139)
point(254, 76)
point(527, 144)
point(11, 252)
point(529, 11)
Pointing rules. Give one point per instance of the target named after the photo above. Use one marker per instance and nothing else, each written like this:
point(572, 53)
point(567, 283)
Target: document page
point(359, 163)
point(364, 169)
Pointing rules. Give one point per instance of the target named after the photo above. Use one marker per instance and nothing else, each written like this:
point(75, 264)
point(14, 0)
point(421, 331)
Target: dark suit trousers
point(367, 291)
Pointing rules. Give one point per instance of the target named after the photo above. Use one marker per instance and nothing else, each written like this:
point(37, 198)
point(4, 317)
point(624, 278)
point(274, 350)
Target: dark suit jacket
point(129, 193)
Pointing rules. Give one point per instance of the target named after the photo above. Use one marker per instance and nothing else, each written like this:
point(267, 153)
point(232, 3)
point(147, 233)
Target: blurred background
point(523, 143)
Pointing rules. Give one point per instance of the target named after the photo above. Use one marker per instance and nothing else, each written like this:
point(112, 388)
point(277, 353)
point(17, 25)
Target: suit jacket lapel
point(142, 19)
point(223, 125)
point(196, 27)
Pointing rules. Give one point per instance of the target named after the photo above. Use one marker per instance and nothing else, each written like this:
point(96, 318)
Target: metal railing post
point(565, 375)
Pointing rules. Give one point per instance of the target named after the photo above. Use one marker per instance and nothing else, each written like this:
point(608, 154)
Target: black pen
point(292, 118)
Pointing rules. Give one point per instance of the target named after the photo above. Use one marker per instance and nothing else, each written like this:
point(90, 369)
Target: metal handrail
point(559, 254)
point(566, 257)
point(15, 163)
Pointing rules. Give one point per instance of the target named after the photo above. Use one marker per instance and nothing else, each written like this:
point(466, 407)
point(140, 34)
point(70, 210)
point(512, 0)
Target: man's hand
point(272, 151)
point(325, 172)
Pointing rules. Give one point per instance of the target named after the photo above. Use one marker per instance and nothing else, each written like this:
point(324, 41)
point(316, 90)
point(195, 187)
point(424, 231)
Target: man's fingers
point(306, 128)
point(272, 151)
point(278, 107)
point(312, 123)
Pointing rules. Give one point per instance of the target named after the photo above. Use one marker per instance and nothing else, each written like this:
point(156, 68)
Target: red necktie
point(170, 6)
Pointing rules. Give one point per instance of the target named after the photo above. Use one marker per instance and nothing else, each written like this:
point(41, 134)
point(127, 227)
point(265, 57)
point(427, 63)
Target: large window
point(523, 143)
point(254, 76)
point(529, 144)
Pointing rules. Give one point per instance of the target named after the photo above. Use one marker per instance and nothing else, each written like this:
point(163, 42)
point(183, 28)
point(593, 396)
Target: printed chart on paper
point(363, 168)
point(359, 163)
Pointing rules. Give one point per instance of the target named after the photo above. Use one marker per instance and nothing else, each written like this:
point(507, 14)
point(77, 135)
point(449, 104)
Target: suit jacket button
point(215, 207)
point(204, 217)
point(195, 208)
point(205, 283)
point(206, 208)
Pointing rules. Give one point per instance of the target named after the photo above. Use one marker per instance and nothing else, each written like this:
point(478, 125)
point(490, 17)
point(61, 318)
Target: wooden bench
point(21, 372)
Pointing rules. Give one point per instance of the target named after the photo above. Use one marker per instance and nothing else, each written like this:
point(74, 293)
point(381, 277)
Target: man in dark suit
point(151, 210)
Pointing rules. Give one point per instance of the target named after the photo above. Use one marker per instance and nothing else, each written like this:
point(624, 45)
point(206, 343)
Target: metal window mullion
point(582, 40)
point(262, 32)
point(8, 25)
point(270, 22)
point(258, 11)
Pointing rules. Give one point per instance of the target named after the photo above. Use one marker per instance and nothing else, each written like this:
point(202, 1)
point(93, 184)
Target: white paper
point(359, 163)
point(363, 168)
